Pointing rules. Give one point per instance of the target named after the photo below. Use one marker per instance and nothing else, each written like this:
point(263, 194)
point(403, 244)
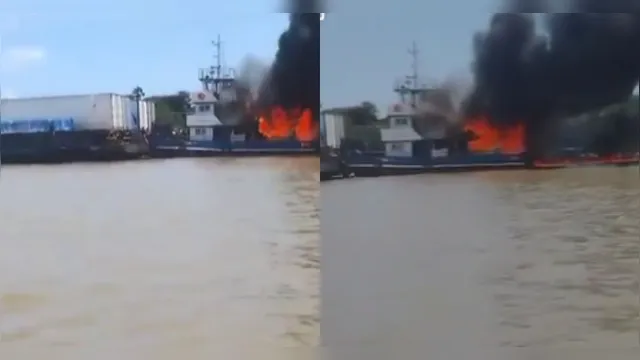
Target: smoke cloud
point(251, 73)
point(585, 58)
point(293, 81)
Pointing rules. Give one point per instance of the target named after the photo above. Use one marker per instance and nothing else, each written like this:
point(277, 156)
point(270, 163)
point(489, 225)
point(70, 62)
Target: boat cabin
point(400, 137)
point(204, 125)
point(202, 120)
point(421, 133)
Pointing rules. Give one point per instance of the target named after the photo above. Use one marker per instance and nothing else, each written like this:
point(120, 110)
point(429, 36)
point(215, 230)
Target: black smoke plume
point(588, 58)
point(293, 81)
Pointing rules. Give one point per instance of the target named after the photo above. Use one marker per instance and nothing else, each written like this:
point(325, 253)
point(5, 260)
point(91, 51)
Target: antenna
point(217, 79)
point(209, 77)
point(410, 85)
point(218, 55)
point(413, 51)
point(413, 78)
point(217, 68)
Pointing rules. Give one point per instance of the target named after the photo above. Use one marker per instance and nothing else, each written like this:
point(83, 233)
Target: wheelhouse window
point(400, 121)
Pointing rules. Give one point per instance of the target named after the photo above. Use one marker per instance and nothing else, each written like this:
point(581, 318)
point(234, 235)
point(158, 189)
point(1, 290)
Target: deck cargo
point(73, 128)
point(76, 113)
point(147, 114)
point(332, 129)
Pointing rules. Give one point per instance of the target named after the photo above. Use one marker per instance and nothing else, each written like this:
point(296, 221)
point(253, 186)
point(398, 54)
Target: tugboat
point(422, 134)
point(221, 124)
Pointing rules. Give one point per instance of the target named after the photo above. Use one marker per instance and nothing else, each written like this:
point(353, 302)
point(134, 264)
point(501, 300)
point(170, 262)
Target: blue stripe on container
point(36, 125)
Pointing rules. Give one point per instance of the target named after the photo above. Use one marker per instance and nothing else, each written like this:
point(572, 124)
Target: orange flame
point(491, 139)
point(281, 124)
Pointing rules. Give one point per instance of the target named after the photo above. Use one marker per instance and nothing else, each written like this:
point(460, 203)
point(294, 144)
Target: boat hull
point(380, 166)
point(248, 148)
point(61, 147)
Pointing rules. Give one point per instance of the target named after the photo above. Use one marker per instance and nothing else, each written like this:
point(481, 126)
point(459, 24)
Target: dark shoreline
point(107, 146)
point(63, 147)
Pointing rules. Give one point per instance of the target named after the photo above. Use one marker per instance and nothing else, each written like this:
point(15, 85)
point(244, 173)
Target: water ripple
point(185, 258)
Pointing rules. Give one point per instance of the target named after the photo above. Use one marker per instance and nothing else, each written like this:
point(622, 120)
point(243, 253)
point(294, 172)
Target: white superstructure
point(400, 136)
point(218, 88)
point(202, 118)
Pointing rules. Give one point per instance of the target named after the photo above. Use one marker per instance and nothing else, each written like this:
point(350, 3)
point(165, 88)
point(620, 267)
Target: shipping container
point(86, 112)
point(147, 114)
point(332, 129)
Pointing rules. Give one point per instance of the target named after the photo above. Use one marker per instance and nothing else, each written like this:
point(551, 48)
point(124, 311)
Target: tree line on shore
point(170, 110)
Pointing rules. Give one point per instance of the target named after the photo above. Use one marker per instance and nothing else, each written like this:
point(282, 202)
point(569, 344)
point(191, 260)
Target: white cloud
point(16, 58)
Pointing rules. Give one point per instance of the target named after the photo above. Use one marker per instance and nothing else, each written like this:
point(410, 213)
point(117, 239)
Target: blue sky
point(75, 46)
point(364, 52)
point(364, 45)
point(79, 46)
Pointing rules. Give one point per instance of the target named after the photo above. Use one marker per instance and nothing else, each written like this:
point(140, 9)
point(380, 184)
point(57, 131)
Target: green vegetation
point(362, 126)
point(365, 114)
point(137, 93)
point(171, 110)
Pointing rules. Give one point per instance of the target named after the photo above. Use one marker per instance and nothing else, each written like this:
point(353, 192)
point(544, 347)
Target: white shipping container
point(152, 113)
point(332, 129)
point(147, 114)
point(89, 112)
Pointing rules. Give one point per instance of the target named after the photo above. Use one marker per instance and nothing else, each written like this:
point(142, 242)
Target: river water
point(160, 259)
point(497, 265)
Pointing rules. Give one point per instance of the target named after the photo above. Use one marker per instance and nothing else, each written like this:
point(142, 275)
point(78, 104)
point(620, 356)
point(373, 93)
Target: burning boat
point(415, 143)
point(539, 69)
point(423, 132)
point(225, 119)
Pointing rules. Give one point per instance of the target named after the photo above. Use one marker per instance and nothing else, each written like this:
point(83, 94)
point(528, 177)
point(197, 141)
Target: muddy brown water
point(498, 265)
point(176, 259)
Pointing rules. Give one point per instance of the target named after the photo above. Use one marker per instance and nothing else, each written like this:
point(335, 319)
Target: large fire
point(488, 138)
point(281, 124)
